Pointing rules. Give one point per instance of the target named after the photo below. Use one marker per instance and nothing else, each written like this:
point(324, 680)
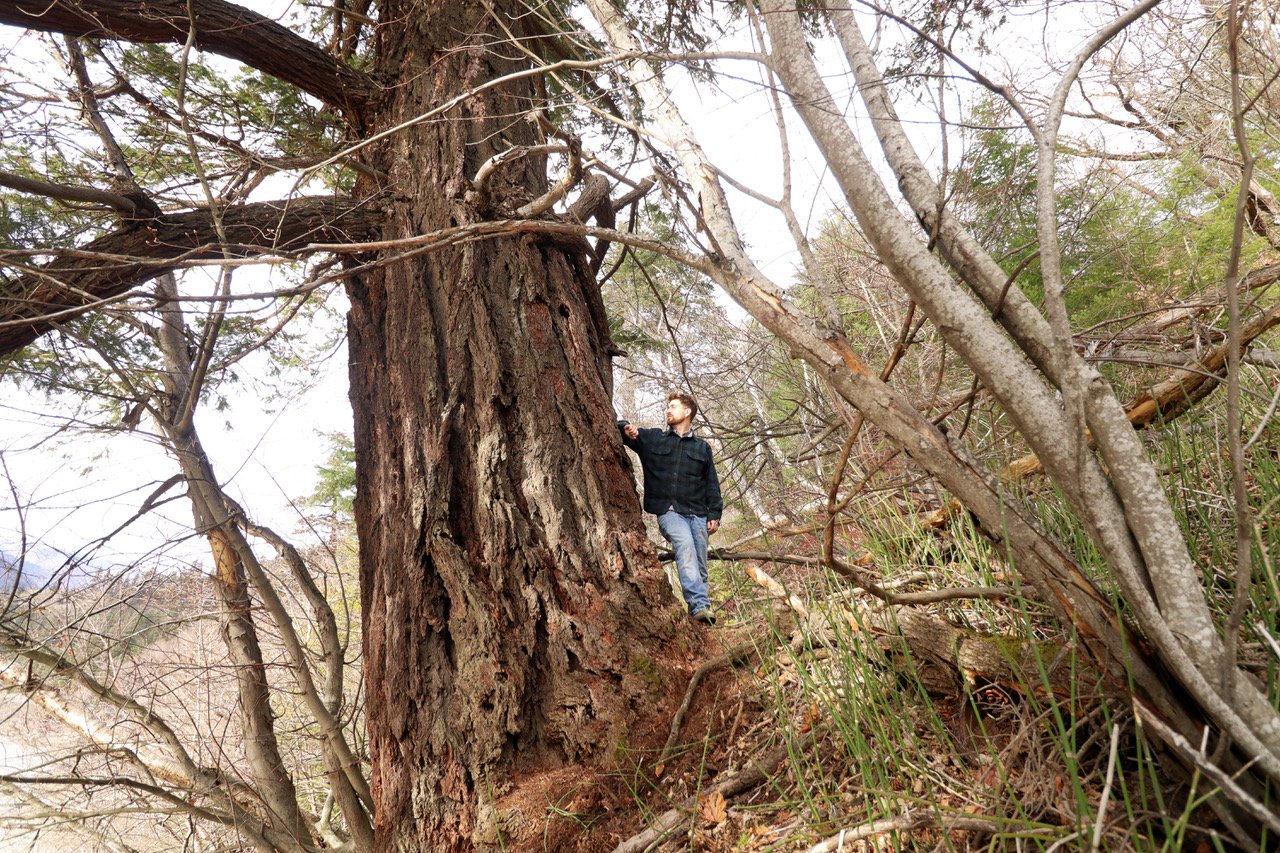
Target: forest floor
point(797, 737)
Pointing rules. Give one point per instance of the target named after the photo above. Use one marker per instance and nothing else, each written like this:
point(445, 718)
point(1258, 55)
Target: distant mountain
point(36, 570)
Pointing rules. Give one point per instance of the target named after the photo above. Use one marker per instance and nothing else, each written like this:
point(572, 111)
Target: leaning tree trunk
point(507, 584)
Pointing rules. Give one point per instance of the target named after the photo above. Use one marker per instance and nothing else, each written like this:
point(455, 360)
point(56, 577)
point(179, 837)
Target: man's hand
point(631, 431)
point(713, 525)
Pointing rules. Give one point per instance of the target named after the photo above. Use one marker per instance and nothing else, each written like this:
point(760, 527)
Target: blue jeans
point(688, 537)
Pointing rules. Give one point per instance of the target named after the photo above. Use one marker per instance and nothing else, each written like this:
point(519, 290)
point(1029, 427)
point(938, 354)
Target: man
point(681, 488)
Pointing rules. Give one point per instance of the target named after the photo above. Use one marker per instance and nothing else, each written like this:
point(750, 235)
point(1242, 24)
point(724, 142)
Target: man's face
point(677, 412)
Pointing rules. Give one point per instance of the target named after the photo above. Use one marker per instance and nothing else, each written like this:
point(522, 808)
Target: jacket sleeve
point(715, 503)
point(633, 443)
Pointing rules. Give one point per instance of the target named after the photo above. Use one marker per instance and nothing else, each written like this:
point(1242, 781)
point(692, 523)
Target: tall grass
point(876, 732)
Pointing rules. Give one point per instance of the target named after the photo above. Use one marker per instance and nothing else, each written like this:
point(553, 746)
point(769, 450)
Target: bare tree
point(265, 800)
point(258, 795)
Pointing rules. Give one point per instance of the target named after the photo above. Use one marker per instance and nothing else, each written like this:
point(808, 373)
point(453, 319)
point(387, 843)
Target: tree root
point(734, 657)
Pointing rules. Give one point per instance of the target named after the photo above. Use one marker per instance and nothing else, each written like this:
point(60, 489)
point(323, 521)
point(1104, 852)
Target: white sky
point(79, 488)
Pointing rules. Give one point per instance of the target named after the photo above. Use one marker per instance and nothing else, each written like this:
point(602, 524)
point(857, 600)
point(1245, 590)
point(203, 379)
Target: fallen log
point(1176, 395)
point(949, 660)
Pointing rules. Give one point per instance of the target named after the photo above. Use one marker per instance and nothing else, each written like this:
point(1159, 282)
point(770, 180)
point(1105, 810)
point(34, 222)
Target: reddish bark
point(512, 602)
point(509, 592)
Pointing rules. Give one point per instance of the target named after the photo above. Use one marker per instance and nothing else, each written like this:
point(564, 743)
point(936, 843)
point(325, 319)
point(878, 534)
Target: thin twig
point(1106, 788)
point(908, 821)
point(1236, 451)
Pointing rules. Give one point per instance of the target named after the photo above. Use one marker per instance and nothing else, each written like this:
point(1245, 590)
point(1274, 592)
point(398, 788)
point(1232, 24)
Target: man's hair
point(689, 403)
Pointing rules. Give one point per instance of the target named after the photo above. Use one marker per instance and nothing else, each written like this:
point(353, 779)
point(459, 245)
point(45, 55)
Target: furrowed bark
point(507, 584)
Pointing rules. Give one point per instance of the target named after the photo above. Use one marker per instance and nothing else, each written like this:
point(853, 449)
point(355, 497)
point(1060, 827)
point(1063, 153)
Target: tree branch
point(222, 28)
point(1178, 393)
point(164, 758)
point(78, 280)
point(735, 656)
point(65, 192)
point(913, 820)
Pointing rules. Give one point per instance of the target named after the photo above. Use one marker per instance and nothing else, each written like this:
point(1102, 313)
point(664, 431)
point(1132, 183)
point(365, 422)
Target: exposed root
point(734, 657)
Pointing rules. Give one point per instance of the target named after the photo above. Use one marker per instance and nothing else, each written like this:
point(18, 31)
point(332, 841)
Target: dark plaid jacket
point(679, 473)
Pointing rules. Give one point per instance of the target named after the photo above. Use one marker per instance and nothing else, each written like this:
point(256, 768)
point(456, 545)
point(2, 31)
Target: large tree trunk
point(508, 587)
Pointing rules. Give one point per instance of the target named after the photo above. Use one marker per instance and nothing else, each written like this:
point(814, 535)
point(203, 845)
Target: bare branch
point(77, 280)
point(1178, 393)
point(65, 192)
point(167, 759)
point(220, 27)
point(1151, 718)
point(914, 820)
point(1124, 507)
point(1235, 345)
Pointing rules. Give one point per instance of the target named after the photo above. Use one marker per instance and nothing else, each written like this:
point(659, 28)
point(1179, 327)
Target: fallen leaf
point(989, 777)
point(712, 808)
point(812, 715)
